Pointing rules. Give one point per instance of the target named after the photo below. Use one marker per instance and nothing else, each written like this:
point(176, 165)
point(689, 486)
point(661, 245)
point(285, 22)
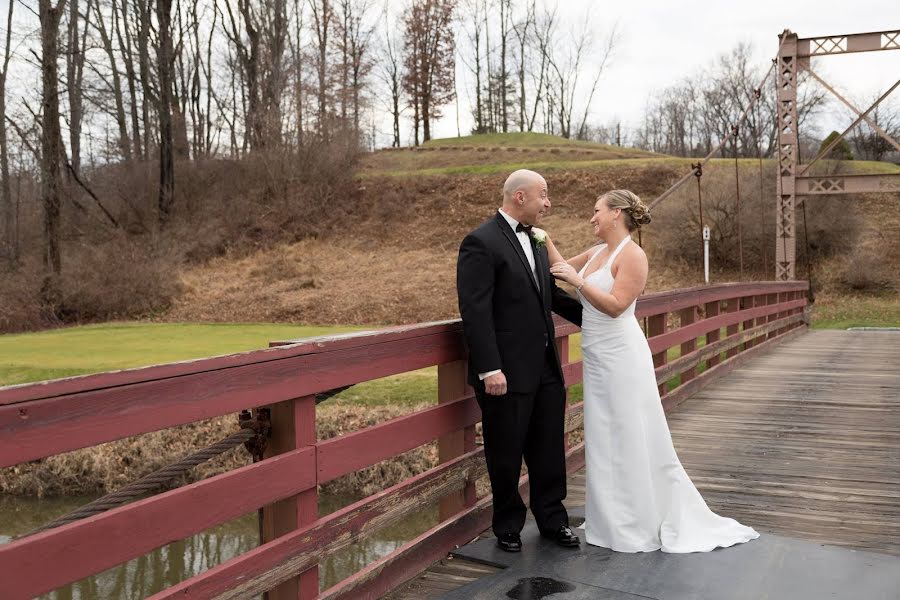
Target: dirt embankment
point(393, 257)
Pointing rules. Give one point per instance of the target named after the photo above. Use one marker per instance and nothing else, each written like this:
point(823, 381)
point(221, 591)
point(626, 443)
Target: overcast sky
point(663, 41)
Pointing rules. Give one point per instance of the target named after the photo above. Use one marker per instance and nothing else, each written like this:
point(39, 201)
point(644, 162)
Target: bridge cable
point(253, 434)
point(724, 139)
point(698, 173)
point(737, 187)
point(812, 293)
point(762, 207)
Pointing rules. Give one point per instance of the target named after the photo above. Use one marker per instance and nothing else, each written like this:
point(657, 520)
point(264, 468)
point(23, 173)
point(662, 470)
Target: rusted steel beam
point(853, 42)
point(50, 559)
point(847, 184)
point(884, 134)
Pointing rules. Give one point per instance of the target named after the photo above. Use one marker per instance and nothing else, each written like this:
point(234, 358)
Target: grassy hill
point(494, 153)
point(394, 259)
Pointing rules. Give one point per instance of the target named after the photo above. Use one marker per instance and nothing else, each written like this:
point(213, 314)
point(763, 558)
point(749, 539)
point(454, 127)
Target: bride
point(638, 496)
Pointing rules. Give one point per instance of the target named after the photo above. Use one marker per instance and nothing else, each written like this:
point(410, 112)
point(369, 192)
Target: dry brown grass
point(394, 260)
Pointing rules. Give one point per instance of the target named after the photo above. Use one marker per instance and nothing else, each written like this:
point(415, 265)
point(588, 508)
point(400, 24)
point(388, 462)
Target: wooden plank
point(92, 545)
point(685, 391)
point(656, 326)
point(801, 440)
point(675, 300)
point(293, 426)
point(452, 386)
point(732, 306)
point(667, 371)
point(285, 350)
point(51, 426)
point(712, 310)
point(268, 565)
point(694, 329)
point(688, 317)
point(387, 573)
point(351, 452)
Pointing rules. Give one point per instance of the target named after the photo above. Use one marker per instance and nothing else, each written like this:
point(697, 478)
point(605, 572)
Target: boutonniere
point(540, 237)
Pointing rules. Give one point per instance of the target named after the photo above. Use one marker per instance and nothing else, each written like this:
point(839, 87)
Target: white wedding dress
point(638, 496)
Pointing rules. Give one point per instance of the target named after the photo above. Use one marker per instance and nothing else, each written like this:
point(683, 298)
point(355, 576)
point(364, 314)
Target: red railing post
point(452, 386)
point(293, 426)
point(656, 325)
point(766, 300)
point(688, 316)
point(747, 303)
point(733, 305)
point(712, 310)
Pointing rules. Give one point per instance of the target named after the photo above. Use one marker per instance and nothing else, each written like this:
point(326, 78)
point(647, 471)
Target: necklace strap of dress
point(615, 253)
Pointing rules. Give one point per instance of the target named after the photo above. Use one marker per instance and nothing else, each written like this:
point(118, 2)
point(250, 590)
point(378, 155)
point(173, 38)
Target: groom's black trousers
point(529, 426)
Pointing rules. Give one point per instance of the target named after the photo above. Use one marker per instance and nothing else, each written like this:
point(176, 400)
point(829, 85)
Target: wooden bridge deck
point(803, 442)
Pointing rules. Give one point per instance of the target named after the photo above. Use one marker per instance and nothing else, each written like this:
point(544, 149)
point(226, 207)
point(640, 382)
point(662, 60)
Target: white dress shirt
point(529, 254)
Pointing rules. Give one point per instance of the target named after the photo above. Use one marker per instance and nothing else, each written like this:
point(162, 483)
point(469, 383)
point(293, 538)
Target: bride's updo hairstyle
point(636, 212)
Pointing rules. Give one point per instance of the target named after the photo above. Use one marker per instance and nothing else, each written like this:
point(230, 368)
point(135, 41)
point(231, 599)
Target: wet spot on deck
point(534, 588)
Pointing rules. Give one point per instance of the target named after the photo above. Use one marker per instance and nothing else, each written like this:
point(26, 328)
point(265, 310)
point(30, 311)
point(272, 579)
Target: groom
point(506, 294)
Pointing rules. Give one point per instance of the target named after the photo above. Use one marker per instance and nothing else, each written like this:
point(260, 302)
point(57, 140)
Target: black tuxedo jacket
point(506, 315)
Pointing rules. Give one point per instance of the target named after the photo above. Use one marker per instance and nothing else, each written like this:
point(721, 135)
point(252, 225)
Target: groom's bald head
point(525, 196)
point(522, 180)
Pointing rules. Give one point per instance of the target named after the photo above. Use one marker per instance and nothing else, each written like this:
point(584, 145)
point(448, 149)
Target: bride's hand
point(565, 272)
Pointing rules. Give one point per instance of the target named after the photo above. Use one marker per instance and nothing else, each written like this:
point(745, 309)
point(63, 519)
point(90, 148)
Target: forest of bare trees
point(140, 125)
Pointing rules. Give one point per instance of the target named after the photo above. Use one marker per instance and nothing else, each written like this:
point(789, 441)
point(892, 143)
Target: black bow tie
point(526, 228)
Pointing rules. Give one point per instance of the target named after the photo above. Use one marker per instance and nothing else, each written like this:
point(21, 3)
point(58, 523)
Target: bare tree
point(164, 68)
point(353, 35)
point(259, 37)
point(115, 83)
point(473, 9)
point(390, 72)
point(51, 151)
point(503, 90)
point(75, 57)
point(6, 203)
point(521, 29)
point(322, 16)
point(125, 35)
point(567, 67)
point(430, 59)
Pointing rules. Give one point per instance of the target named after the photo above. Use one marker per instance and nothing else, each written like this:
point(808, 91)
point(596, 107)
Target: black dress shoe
point(564, 537)
point(510, 542)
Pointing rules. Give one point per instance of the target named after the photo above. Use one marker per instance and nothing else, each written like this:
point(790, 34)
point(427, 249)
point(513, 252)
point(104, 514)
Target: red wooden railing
point(44, 419)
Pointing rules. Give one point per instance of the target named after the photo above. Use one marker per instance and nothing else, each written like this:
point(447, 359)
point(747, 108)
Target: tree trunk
point(128, 55)
point(7, 244)
point(121, 121)
point(166, 199)
point(51, 183)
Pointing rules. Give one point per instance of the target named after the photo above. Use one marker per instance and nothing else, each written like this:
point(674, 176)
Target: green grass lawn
point(72, 351)
point(856, 311)
point(518, 139)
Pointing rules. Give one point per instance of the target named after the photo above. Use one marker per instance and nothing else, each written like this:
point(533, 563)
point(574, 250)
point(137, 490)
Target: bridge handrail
point(40, 420)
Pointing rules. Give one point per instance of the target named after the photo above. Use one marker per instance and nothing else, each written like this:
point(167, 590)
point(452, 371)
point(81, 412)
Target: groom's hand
point(495, 385)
